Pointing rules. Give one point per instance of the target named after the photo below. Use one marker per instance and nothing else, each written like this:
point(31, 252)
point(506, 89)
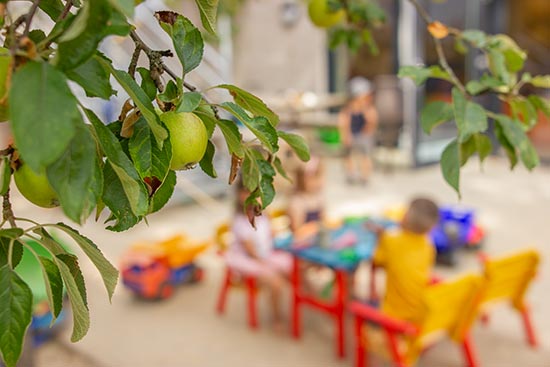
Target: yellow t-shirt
point(408, 259)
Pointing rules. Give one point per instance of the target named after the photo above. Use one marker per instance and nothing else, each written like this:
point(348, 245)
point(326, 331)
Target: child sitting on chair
point(252, 252)
point(305, 207)
point(407, 254)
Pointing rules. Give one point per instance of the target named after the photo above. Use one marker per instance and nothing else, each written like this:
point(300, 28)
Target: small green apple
point(188, 137)
point(35, 187)
point(321, 15)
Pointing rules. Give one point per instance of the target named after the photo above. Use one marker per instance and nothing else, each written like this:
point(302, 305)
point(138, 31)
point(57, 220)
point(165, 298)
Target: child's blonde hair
point(422, 215)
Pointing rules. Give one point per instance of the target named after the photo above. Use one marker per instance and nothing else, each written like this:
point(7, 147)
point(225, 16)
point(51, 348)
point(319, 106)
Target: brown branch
point(439, 48)
point(134, 61)
point(30, 15)
point(66, 10)
point(7, 211)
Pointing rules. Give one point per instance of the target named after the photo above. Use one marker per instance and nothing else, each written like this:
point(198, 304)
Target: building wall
point(270, 58)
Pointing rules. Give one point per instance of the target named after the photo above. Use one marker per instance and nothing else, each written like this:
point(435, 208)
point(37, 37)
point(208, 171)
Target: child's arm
point(250, 249)
point(376, 228)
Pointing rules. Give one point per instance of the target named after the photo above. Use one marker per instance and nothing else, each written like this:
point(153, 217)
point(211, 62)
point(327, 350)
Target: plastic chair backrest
point(450, 309)
point(223, 237)
point(509, 277)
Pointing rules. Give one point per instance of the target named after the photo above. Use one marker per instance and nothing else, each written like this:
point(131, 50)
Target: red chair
point(451, 308)
point(234, 279)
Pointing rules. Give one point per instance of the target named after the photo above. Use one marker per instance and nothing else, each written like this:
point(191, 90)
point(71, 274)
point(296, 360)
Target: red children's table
point(344, 262)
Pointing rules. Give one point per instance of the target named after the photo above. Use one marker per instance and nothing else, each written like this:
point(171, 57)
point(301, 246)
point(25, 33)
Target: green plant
point(125, 166)
point(503, 78)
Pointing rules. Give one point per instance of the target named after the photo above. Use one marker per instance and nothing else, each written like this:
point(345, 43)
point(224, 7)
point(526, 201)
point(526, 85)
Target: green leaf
point(187, 39)
point(514, 56)
point(208, 10)
point(483, 145)
point(514, 133)
point(5, 175)
point(37, 35)
point(125, 6)
point(149, 160)
point(470, 117)
point(170, 93)
point(204, 112)
point(206, 162)
point(259, 126)
point(15, 314)
point(251, 103)
point(541, 81)
point(163, 193)
point(74, 283)
point(147, 84)
point(476, 37)
point(474, 87)
point(450, 165)
point(54, 285)
point(82, 38)
point(418, 74)
point(43, 112)
point(506, 145)
point(497, 65)
point(189, 102)
point(117, 25)
point(141, 100)
point(267, 190)
point(108, 272)
point(93, 78)
point(438, 73)
point(523, 110)
point(76, 176)
point(16, 254)
point(126, 177)
point(434, 114)
point(467, 149)
point(540, 104)
point(280, 169)
point(232, 136)
point(117, 200)
point(297, 143)
point(53, 8)
point(11, 233)
point(250, 173)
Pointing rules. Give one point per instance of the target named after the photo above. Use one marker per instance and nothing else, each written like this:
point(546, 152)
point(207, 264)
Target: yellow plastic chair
point(450, 309)
point(508, 278)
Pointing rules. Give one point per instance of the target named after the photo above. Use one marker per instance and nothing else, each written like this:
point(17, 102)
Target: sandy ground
point(184, 330)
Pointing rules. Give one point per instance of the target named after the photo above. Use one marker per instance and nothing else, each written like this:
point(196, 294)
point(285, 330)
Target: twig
point(7, 211)
point(439, 48)
point(134, 61)
point(30, 15)
point(66, 10)
point(156, 62)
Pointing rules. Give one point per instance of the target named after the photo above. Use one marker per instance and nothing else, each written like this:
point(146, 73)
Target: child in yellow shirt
point(408, 255)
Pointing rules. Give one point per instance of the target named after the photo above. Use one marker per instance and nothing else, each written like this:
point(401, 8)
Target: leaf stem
point(66, 10)
point(10, 253)
point(7, 211)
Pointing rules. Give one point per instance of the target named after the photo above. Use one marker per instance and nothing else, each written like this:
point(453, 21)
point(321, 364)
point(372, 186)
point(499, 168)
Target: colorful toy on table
point(151, 270)
point(29, 270)
point(457, 228)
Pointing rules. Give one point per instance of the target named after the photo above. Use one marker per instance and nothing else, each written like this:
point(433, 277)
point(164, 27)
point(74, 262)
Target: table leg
point(340, 302)
point(296, 321)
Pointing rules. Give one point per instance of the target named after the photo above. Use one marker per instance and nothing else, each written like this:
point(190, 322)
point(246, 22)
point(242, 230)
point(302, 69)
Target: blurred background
point(271, 48)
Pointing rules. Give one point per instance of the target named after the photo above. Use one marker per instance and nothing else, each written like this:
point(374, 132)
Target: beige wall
point(269, 58)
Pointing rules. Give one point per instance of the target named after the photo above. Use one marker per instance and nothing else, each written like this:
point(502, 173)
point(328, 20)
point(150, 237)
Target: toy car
point(457, 228)
point(152, 271)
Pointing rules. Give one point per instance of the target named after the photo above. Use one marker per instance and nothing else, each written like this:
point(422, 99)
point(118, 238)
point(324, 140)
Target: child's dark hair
point(423, 215)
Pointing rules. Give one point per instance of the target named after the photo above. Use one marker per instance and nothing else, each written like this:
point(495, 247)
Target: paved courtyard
point(184, 330)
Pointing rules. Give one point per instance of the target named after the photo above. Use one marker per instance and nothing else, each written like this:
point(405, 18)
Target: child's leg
point(275, 282)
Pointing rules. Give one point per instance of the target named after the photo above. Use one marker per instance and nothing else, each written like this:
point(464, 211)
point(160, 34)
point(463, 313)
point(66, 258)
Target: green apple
point(5, 60)
point(321, 16)
point(35, 187)
point(188, 137)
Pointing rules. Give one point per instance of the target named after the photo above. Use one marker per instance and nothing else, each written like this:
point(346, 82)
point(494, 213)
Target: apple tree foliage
point(502, 77)
point(121, 167)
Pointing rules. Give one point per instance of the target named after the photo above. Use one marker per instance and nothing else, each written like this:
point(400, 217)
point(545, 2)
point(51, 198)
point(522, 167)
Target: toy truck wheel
point(447, 258)
point(165, 290)
point(198, 275)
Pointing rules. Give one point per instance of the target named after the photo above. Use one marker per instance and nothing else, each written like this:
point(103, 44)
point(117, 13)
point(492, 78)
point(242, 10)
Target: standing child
point(407, 255)
point(357, 122)
point(252, 252)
